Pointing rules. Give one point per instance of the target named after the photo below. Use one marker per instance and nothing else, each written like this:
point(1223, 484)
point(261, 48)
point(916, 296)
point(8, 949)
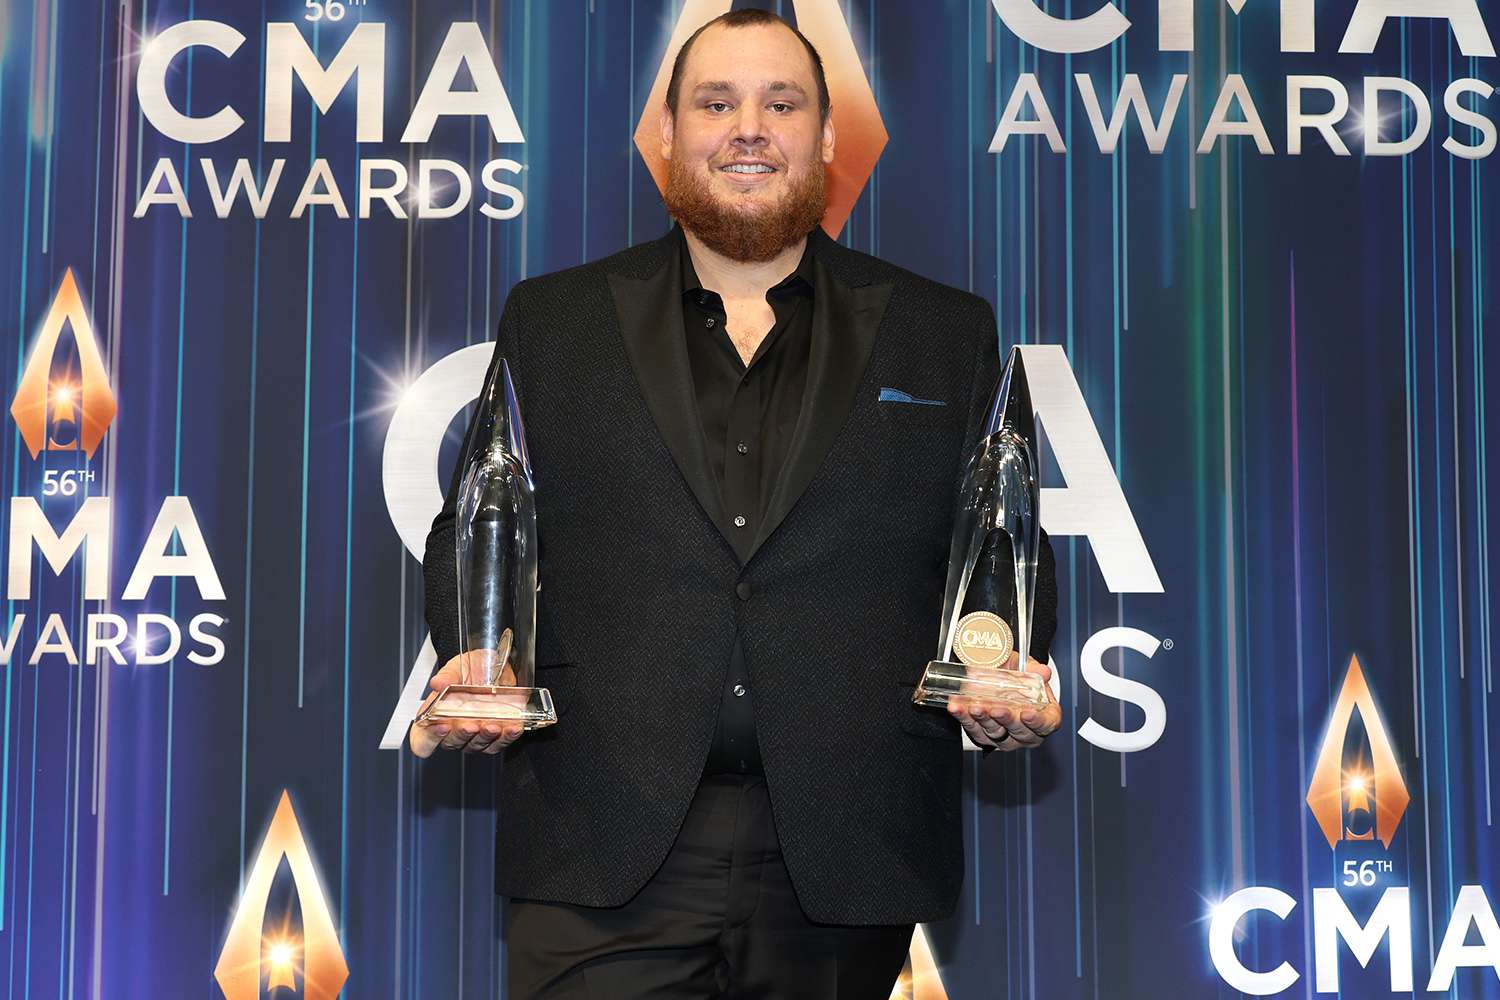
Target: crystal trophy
point(495, 534)
point(987, 603)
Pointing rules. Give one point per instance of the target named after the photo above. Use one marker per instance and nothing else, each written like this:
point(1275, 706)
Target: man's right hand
point(469, 735)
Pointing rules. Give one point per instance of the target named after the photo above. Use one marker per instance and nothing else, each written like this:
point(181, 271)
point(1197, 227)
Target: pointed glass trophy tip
point(1011, 406)
point(515, 431)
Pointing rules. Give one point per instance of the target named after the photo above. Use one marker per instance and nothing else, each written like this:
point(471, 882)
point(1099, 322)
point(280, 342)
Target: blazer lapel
point(844, 323)
point(651, 327)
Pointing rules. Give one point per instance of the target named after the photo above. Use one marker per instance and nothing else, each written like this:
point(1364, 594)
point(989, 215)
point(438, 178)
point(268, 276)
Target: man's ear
point(667, 128)
point(828, 138)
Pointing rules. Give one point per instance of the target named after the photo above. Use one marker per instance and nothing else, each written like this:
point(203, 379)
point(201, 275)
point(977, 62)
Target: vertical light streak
point(307, 354)
point(49, 123)
point(246, 625)
point(123, 20)
point(182, 259)
point(583, 173)
point(1231, 599)
point(15, 476)
point(1297, 598)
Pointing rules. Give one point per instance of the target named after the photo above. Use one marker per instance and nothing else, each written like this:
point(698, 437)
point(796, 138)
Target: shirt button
point(742, 448)
point(739, 690)
point(739, 520)
point(743, 590)
point(709, 321)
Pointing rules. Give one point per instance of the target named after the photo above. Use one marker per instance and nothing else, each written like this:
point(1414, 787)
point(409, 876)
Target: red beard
point(746, 236)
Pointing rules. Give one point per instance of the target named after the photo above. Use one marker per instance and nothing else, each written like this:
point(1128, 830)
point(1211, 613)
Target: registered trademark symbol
point(1167, 644)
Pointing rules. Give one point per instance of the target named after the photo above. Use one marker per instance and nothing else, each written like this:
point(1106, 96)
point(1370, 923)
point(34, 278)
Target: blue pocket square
point(889, 395)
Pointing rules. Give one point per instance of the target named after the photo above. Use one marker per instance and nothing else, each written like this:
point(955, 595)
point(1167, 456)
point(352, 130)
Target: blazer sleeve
point(440, 560)
point(986, 376)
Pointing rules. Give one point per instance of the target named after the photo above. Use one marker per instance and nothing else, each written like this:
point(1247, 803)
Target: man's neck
point(737, 279)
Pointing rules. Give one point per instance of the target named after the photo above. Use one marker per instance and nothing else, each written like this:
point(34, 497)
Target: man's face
point(747, 154)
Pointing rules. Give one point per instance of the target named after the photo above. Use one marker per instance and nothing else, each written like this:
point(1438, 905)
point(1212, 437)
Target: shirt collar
point(801, 278)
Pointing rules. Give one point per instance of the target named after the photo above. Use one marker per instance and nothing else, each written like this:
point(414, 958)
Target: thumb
point(1039, 668)
point(449, 673)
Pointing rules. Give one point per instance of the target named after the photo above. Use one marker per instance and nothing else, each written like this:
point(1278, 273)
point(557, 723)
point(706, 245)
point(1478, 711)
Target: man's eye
point(715, 105)
point(782, 106)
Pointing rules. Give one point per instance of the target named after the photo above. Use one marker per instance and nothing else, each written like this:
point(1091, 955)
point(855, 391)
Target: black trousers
point(718, 919)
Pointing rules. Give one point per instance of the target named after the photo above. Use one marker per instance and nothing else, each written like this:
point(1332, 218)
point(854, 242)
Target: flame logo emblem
point(919, 979)
point(247, 950)
point(861, 134)
point(88, 407)
point(1335, 792)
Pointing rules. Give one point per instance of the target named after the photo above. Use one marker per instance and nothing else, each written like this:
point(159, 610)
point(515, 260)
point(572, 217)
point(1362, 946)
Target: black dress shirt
point(749, 413)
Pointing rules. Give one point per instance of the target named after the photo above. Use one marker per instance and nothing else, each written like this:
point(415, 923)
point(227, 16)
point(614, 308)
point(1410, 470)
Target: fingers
point(449, 673)
point(423, 739)
point(509, 733)
point(493, 737)
point(983, 730)
point(488, 736)
point(1004, 726)
point(477, 666)
point(1045, 721)
point(1020, 726)
point(469, 735)
point(1042, 670)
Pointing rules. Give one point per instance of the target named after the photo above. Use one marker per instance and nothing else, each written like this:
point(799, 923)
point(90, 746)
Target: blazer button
point(739, 690)
point(743, 590)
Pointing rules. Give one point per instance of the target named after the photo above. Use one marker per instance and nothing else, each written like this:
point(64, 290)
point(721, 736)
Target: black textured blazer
point(641, 593)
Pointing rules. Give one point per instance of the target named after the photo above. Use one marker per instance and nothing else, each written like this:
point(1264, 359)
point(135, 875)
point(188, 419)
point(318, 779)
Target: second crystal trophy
point(987, 603)
point(495, 523)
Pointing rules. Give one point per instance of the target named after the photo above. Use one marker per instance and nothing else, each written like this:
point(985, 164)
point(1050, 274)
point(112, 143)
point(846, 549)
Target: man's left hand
point(993, 723)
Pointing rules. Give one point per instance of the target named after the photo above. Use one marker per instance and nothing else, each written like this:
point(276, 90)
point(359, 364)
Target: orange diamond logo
point(250, 956)
point(856, 120)
point(44, 405)
point(1332, 786)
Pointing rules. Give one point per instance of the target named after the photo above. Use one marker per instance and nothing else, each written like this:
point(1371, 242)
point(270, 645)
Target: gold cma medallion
point(983, 640)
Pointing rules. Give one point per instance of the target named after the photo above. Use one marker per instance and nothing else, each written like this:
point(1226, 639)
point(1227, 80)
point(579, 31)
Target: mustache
point(768, 160)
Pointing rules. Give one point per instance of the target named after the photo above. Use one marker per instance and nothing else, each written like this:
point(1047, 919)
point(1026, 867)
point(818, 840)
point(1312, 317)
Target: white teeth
point(748, 168)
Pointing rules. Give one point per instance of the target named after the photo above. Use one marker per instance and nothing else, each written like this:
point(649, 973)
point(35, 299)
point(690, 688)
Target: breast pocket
point(915, 416)
point(916, 450)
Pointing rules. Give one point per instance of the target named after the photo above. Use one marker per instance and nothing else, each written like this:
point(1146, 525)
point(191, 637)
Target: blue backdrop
point(1283, 356)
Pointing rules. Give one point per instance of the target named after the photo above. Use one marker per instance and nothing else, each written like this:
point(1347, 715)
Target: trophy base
point(532, 707)
point(942, 680)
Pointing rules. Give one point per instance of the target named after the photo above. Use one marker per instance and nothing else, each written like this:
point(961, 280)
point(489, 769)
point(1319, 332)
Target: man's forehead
point(733, 86)
point(772, 50)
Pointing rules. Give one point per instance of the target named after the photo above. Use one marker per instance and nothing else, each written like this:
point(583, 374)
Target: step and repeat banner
point(255, 250)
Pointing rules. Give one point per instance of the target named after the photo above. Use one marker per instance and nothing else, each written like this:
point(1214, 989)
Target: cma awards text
point(436, 188)
point(1390, 116)
point(155, 638)
point(1385, 116)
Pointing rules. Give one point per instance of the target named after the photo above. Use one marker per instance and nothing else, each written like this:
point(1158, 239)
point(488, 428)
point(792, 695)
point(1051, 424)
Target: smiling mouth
point(747, 168)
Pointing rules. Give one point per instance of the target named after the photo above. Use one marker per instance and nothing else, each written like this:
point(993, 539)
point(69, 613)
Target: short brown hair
point(746, 18)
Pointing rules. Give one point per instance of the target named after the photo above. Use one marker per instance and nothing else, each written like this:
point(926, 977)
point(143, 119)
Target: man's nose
point(748, 125)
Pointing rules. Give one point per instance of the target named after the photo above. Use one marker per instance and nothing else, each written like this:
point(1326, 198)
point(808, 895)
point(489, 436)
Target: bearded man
point(747, 441)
